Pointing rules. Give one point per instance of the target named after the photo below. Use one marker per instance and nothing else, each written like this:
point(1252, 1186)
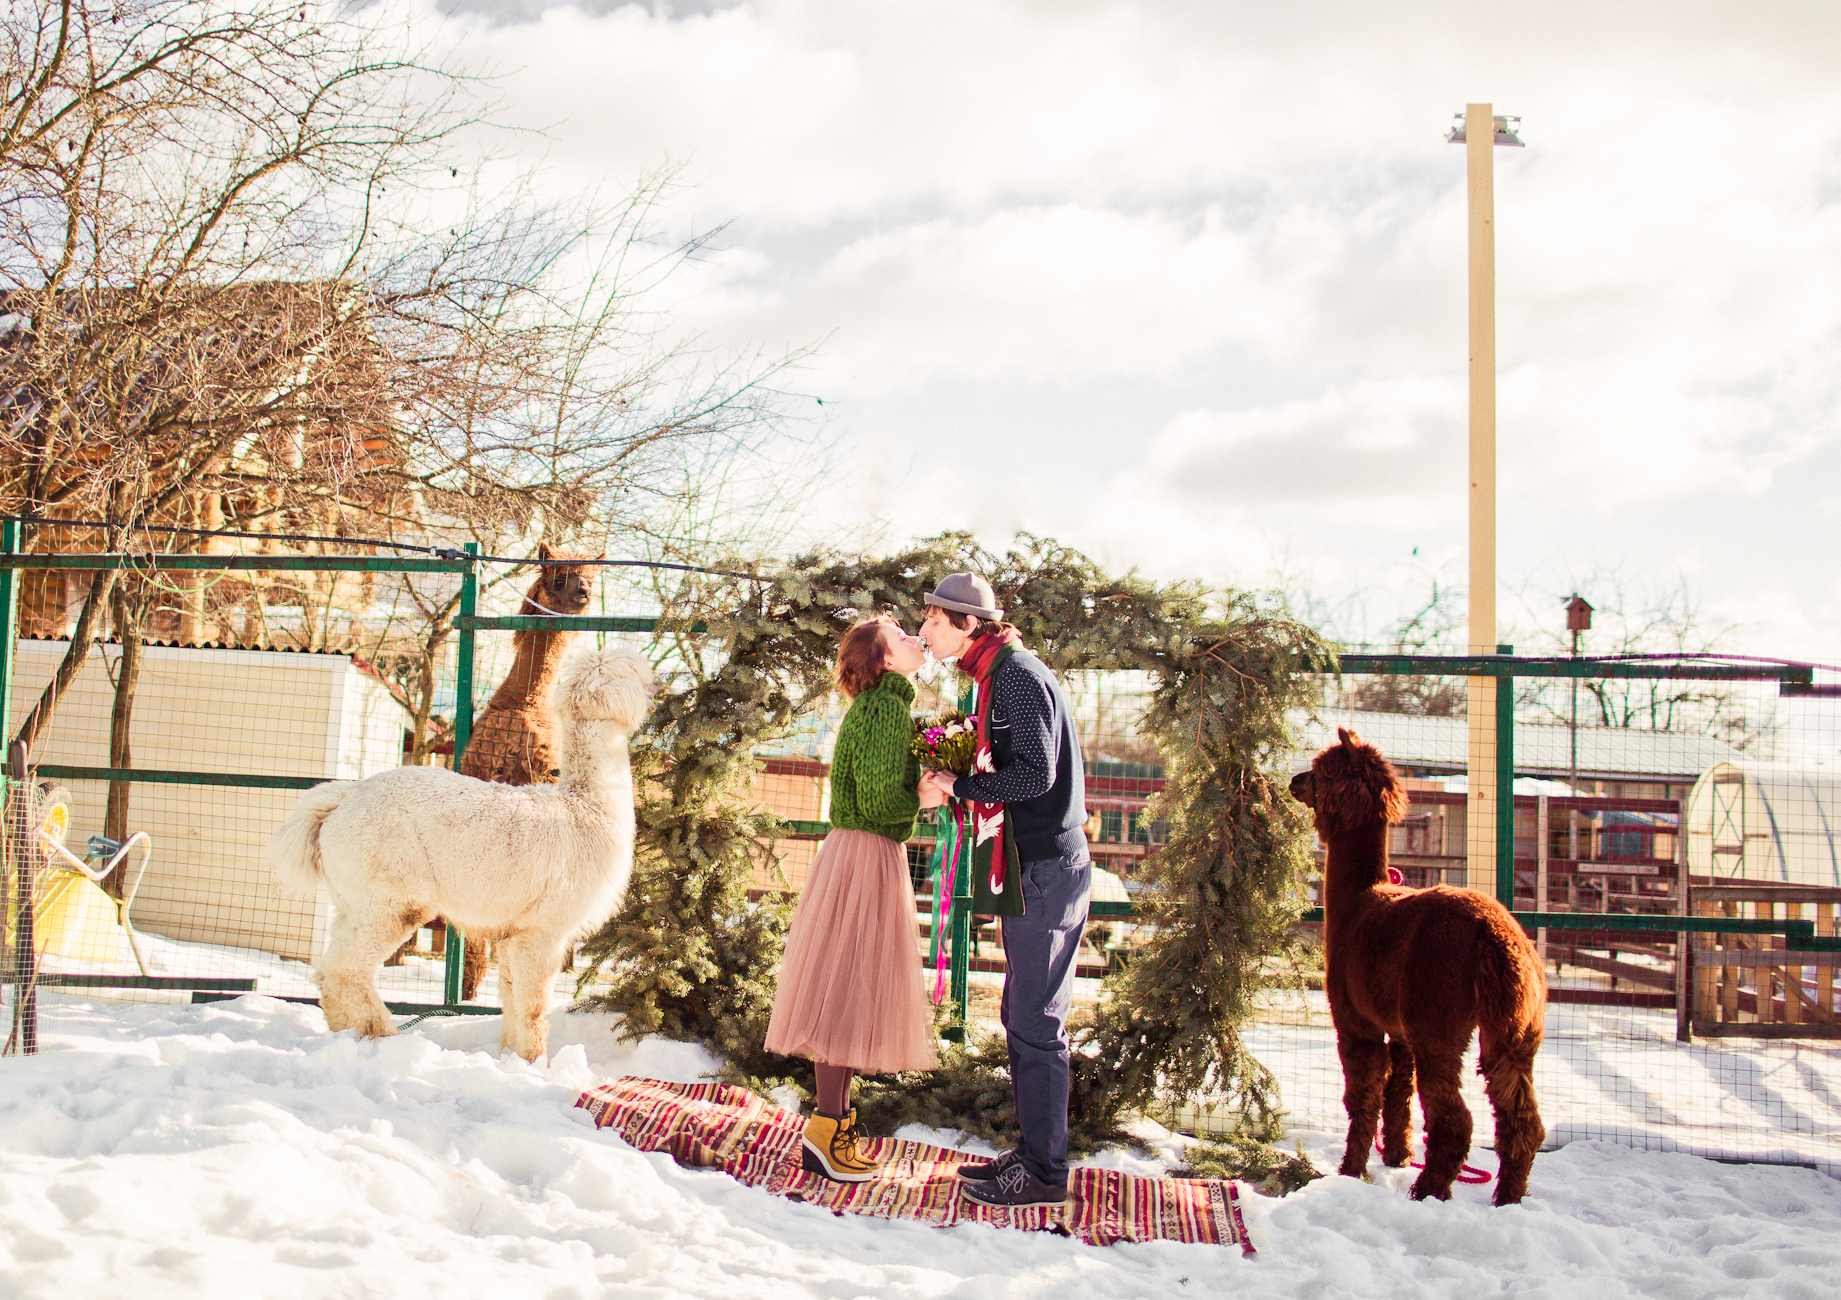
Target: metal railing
point(1504, 667)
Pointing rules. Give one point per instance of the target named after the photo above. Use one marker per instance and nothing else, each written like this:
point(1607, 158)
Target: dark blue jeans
point(1039, 949)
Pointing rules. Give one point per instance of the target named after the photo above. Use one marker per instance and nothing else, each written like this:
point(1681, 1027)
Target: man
point(1039, 780)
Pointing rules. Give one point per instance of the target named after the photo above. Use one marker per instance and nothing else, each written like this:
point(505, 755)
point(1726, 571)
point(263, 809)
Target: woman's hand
point(931, 796)
point(941, 781)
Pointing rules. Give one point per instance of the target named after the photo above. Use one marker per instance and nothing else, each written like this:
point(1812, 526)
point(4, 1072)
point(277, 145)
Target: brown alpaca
point(1411, 972)
point(512, 741)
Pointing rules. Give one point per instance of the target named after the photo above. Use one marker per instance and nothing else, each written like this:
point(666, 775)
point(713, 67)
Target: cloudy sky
point(1183, 283)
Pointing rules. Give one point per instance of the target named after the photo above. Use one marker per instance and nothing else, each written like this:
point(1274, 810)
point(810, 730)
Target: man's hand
point(930, 794)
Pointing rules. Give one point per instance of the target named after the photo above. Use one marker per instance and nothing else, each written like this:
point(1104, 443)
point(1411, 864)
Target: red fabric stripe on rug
point(713, 1126)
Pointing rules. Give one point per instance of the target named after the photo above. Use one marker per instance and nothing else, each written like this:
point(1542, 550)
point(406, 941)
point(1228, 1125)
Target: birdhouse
point(1578, 614)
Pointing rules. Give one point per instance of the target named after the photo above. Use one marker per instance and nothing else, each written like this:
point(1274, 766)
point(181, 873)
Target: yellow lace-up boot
point(831, 1148)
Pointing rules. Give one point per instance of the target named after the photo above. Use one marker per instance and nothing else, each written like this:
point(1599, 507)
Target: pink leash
point(1468, 1174)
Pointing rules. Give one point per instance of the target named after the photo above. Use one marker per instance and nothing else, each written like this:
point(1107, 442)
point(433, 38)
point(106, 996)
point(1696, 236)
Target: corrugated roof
point(1615, 753)
point(193, 645)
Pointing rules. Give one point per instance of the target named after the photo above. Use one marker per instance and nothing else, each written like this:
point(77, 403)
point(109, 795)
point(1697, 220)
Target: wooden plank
point(1825, 975)
point(1767, 893)
point(1608, 998)
point(1704, 987)
point(1647, 975)
point(1790, 978)
point(1711, 1029)
point(1729, 976)
point(1767, 958)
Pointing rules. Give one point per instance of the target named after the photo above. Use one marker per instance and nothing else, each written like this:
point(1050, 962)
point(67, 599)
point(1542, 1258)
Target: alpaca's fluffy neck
point(592, 756)
point(1355, 863)
point(537, 658)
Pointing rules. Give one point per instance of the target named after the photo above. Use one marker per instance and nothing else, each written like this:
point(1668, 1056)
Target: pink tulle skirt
point(851, 990)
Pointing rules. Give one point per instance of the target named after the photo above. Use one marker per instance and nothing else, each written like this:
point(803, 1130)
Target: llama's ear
point(1348, 737)
point(601, 556)
point(543, 552)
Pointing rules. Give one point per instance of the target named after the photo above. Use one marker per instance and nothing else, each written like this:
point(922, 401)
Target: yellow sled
point(71, 916)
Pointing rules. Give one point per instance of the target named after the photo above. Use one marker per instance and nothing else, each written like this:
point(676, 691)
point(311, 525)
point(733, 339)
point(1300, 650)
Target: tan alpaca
point(512, 742)
point(532, 868)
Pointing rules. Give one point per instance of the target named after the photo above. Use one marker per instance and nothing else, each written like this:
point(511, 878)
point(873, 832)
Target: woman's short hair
point(961, 621)
point(861, 657)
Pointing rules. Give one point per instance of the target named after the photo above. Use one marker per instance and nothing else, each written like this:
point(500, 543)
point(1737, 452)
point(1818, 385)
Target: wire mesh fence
point(143, 862)
point(1687, 878)
point(1679, 871)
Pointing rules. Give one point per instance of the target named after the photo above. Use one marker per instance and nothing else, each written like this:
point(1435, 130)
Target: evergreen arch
point(690, 957)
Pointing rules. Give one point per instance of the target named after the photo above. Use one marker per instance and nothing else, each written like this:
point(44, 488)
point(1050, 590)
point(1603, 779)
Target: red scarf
point(980, 660)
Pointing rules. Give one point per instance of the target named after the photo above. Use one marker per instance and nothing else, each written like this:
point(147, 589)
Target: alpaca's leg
point(1447, 1119)
point(1519, 1131)
point(1364, 1075)
point(1397, 1106)
point(362, 936)
point(528, 964)
point(473, 963)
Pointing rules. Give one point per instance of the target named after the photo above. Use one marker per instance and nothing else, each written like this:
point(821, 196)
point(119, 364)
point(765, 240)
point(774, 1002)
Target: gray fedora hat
point(966, 593)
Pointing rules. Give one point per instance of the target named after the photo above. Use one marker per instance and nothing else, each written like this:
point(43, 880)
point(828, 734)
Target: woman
point(850, 994)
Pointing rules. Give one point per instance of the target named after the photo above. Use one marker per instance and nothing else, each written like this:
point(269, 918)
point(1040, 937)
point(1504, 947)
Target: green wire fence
point(1714, 940)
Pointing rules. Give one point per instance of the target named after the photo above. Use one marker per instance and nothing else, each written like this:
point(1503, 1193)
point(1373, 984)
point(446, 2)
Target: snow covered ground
point(1603, 1072)
point(237, 1149)
point(1612, 1072)
point(417, 979)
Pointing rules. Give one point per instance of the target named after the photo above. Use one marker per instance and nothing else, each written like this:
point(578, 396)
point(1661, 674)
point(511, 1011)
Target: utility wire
point(439, 552)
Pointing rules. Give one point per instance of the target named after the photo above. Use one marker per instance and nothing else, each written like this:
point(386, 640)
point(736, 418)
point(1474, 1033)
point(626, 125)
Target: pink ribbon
point(1467, 1174)
point(944, 907)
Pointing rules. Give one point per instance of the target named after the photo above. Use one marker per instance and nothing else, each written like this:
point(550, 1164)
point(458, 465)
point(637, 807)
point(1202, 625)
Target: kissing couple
point(851, 995)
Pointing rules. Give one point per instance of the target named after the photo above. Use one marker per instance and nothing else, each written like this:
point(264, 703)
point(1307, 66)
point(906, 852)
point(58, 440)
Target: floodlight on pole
point(1507, 131)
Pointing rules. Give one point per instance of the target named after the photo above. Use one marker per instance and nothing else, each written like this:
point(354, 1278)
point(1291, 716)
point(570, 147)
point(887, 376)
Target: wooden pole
point(1483, 810)
point(1541, 816)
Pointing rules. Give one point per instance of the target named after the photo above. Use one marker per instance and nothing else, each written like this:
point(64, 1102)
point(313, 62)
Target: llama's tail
point(1511, 993)
point(293, 852)
point(1511, 1005)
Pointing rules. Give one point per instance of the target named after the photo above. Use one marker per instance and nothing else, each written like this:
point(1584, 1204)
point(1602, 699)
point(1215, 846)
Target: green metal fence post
point(9, 542)
point(9, 605)
point(463, 656)
point(962, 912)
point(962, 946)
point(456, 942)
point(1505, 783)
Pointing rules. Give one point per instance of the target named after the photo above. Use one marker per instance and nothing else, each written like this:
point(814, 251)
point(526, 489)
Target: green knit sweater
point(875, 777)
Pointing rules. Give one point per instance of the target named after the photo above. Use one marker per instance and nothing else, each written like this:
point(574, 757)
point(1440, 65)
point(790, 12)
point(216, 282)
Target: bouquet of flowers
point(947, 743)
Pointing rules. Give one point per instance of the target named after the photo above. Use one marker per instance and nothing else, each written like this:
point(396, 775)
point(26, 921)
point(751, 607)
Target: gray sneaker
point(979, 1171)
point(1015, 1189)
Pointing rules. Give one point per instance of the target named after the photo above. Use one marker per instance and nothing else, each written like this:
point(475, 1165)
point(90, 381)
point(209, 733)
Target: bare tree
point(173, 173)
point(1632, 618)
point(1428, 629)
point(244, 290)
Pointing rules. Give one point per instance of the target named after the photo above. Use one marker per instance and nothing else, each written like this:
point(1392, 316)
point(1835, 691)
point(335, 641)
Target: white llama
point(530, 868)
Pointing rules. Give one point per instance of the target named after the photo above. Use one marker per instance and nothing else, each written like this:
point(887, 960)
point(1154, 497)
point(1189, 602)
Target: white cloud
point(1250, 205)
point(1030, 293)
point(1395, 446)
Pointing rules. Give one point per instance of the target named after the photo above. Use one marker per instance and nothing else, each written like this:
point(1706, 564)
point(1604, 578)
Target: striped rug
point(713, 1126)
